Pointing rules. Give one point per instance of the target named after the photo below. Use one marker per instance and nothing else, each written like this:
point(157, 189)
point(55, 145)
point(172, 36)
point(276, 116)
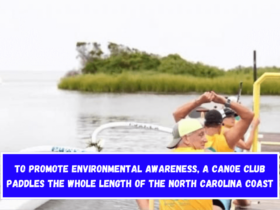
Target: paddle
point(239, 92)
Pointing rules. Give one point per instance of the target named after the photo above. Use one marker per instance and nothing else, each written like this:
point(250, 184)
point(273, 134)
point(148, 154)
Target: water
point(34, 112)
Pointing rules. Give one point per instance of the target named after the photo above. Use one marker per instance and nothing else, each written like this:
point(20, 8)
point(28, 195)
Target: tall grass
point(164, 83)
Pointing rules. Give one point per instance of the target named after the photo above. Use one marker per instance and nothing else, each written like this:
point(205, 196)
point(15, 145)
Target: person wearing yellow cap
point(188, 136)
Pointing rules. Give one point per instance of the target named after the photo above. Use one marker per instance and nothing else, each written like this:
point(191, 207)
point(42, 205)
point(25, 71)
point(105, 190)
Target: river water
point(34, 113)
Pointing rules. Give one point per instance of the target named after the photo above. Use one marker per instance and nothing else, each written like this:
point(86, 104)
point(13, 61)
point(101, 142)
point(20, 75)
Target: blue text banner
point(160, 175)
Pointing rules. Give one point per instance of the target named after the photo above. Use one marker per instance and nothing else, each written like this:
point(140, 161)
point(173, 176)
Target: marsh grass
point(130, 82)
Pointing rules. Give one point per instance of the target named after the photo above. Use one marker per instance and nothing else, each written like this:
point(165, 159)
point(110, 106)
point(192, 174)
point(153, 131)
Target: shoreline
point(163, 84)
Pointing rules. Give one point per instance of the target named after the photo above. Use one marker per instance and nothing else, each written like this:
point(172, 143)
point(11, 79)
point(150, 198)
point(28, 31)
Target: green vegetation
point(162, 83)
point(130, 70)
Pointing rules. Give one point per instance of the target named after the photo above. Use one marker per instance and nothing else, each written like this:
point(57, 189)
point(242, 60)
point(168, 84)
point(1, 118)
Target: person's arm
point(234, 134)
point(184, 110)
point(248, 144)
point(244, 145)
point(241, 144)
point(143, 204)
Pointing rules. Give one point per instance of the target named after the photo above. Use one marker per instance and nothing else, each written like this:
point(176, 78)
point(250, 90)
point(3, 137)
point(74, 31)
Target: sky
point(42, 35)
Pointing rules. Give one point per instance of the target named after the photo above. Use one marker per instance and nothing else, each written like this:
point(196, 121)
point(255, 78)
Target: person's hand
point(217, 98)
point(205, 98)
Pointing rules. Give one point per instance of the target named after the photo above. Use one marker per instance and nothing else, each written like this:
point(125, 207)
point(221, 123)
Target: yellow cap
point(183, 127)
point(187, 126)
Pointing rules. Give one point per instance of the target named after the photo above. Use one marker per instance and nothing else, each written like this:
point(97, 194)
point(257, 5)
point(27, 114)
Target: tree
point(88, 52)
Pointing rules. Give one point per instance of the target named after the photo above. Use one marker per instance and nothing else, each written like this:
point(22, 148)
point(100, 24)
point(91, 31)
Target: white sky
point(41, 34)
